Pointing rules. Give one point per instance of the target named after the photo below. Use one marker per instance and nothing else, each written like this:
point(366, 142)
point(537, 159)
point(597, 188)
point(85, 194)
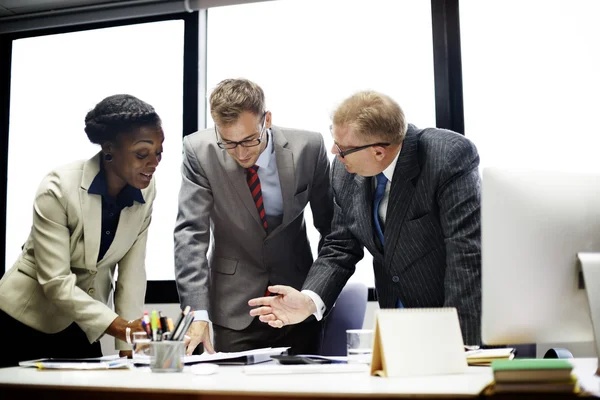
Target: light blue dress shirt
point(269, 179)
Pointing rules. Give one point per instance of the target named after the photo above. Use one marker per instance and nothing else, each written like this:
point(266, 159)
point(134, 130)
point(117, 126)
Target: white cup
point(359, 343)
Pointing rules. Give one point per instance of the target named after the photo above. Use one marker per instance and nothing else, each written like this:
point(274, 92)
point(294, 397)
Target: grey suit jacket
point(432, 256)
point(57, 279)
point(216, 208)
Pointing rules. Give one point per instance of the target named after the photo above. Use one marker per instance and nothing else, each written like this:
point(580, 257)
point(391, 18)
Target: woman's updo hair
point(117, 114)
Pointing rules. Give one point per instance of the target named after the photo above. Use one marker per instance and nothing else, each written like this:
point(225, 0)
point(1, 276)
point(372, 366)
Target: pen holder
point(167, 356)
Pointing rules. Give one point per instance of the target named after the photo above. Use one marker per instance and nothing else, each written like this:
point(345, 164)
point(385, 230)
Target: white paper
point(263, 354)
point(106, 363)
point(490, 353)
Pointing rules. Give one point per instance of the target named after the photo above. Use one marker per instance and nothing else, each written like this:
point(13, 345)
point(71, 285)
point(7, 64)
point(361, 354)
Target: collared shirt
point(389, 173)
point(111, 207)
point(271, 193)
point(269, 179)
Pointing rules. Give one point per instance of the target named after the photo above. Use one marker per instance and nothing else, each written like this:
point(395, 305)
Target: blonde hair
point(232, 97)
point(373, 115)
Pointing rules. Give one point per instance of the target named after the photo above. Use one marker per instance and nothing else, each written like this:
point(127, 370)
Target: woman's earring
point(107, 157)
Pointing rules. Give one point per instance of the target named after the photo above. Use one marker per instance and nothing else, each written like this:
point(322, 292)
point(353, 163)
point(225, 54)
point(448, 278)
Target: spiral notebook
point(417, 341)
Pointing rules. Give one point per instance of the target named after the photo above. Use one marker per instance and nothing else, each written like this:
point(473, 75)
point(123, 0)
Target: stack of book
point(533, 375)
point(484, 357)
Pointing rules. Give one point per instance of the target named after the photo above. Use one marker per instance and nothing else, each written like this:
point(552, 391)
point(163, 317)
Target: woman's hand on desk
point(126, 353)
point(118, 328)
point(287, 307)
point(199, 332)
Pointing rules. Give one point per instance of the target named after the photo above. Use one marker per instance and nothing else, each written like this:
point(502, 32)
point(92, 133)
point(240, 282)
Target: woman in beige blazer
point(88, 217)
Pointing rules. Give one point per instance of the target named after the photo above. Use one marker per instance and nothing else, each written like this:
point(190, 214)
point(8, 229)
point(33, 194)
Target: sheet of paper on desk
point(234, 358)
point(77, 364)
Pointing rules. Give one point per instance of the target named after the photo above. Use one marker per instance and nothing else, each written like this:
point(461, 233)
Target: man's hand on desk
point(288, 307)
point(199, 332)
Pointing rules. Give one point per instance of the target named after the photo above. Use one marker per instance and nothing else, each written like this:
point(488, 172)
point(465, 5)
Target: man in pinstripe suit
point(412, 198)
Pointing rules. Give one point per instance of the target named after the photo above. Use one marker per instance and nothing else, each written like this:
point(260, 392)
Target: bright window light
point(56, 80)
point(531, 82)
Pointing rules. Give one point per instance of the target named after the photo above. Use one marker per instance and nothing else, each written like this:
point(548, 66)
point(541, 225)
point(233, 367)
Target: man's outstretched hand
point(287, 307)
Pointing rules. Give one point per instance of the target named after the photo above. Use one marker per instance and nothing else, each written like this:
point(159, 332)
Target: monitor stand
point(590, 265)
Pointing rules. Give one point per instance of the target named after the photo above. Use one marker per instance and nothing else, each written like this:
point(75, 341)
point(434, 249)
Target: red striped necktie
point(255, 190)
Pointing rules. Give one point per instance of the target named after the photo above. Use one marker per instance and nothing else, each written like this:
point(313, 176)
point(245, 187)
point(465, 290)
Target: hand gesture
point(288, 307)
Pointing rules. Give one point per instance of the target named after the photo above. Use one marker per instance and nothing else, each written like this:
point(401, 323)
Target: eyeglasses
point(344, 153)
point(244, 143)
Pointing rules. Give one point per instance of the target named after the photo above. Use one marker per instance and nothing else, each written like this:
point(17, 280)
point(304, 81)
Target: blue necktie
point(379, 192)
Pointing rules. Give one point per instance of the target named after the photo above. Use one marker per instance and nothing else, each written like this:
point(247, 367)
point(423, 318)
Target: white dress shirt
point(271, 193)
point(389, 173)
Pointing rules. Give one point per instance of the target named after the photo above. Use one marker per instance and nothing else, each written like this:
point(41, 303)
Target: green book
point(532, 370)
point(530, 363)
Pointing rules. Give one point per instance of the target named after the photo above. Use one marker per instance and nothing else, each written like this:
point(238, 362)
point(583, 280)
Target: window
point(56, 80)
point(308, 55)
point(531, 83)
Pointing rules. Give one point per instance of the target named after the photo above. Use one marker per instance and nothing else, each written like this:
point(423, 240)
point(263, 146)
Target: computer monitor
point(534, 224)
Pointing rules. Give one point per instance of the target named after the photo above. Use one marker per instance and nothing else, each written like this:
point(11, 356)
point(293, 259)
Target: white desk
point(232, 383)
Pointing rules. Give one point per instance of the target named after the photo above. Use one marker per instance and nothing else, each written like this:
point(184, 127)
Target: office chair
point(347, 313)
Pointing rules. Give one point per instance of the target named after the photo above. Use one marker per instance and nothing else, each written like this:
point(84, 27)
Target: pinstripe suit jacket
point(432, 256)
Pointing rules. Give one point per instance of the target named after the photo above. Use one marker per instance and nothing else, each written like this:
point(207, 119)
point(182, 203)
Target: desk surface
point(231, 382)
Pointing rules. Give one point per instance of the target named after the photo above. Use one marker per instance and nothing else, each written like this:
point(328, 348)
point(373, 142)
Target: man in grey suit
point(412, 198)
point(244, 188)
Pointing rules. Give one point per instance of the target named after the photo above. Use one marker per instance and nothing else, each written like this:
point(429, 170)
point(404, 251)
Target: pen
point(155, 329)
point(163, 322)
point(180, 320)
point(146, 324)
point(189, 318)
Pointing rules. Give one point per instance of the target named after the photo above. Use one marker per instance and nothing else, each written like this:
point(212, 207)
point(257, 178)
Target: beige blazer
point(56, 280)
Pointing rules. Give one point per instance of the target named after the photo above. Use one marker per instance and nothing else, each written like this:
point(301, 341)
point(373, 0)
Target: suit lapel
point(127, 220)
point(286, 171)
point(237, 177)
point(363, 204)
point(401, 192)
point(91, 212)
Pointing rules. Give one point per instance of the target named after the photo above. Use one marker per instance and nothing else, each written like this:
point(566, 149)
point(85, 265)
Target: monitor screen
point(534, 223)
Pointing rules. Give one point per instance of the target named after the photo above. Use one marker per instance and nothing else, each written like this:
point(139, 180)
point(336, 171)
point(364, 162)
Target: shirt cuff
point(318, 302)
point(201, 315)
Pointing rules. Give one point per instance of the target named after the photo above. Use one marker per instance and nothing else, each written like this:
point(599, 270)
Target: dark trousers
point(302, 338)
point(22, 343)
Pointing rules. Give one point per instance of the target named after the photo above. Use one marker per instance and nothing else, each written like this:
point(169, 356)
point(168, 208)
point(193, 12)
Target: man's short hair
point(373, 115)
point(232, 97)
